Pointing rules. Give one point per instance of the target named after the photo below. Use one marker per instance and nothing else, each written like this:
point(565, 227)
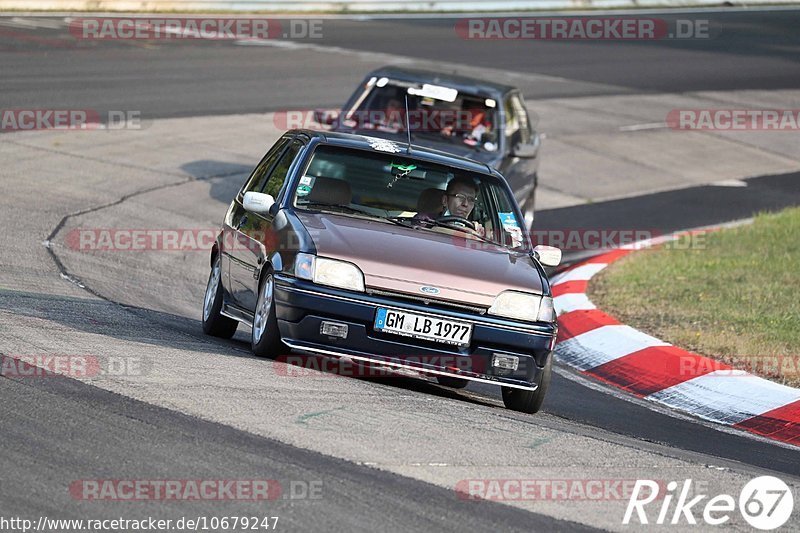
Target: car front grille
point(428, 302)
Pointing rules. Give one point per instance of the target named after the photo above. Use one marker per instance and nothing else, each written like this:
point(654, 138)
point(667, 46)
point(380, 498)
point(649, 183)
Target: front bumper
point(302, 306)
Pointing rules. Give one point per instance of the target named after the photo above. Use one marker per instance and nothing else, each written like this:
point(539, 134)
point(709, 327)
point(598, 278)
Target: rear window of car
point(427, 115)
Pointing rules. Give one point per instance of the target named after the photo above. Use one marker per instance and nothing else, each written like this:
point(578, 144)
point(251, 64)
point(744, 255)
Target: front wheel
point(213, 322)
point(529, 401)
point(266, 339)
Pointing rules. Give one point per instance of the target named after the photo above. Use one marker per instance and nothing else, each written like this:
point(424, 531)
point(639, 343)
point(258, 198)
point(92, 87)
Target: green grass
point(733, 296)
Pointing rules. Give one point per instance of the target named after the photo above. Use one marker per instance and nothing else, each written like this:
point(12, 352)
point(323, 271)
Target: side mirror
point(258, 202)
point(326, 116)
point(547, 255)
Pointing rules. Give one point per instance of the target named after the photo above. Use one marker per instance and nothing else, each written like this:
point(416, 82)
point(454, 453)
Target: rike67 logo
point(765, 502)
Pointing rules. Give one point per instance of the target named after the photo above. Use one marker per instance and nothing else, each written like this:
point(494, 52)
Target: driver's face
point(460, 200)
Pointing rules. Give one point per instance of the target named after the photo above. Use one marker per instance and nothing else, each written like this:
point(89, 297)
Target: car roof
point(456, 81)
point(365, 142)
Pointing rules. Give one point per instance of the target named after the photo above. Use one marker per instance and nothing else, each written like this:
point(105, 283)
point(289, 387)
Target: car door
point(519, 168)
point(235, 217)
point(253, 230)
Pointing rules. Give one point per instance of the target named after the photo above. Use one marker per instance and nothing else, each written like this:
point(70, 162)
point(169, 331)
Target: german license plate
point(423, 327)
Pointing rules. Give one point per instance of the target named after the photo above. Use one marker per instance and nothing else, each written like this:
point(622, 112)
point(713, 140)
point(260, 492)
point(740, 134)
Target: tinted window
point(260, 174)
point(278, 175)
point(383, 109)
point(522, 117)
point(512, 122)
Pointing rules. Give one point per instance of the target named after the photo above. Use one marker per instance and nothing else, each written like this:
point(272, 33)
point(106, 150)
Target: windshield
point(432, 111)
point(403, 190)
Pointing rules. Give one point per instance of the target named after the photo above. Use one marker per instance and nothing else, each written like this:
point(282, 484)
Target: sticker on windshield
point(382, 145)
point(305, 180)
point(303, 190)
point(508, 220)
point(509, 223)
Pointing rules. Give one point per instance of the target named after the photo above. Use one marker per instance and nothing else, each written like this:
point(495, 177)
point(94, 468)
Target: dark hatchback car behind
point(477, 119)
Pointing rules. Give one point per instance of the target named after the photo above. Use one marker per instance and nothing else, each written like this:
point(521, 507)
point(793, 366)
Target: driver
point(459, 197)
point(458, 200)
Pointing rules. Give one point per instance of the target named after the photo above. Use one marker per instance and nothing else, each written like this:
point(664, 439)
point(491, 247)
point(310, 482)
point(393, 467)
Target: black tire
point(529, 401)
point(453, 383)
point(265, 340)
point(213, 322)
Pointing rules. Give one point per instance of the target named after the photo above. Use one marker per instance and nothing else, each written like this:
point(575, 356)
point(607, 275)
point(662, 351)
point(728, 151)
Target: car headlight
point(524, 306)
point(329, 272)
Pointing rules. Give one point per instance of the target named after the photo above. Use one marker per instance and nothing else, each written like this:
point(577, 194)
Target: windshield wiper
point(433, 222)
point(400, 221)
point(344, 207)
point(403, 221)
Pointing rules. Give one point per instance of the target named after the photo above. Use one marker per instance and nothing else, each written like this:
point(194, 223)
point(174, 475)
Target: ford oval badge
point(429, 290)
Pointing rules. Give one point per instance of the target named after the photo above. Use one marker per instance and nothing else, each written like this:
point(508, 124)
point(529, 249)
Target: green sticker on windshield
point(303, 190)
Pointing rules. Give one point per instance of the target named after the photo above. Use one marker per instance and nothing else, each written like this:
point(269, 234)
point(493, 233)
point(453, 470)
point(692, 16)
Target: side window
point(511, 233)
point(512, 122)
point(522, 114)
point(278, 176)
point(480, 211)
point(260, 174)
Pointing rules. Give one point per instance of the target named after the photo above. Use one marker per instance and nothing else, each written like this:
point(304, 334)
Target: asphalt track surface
point(165, 442)
point(55, 430)
point(746, 50)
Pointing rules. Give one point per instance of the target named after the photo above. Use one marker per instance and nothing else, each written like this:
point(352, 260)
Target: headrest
point(430, 201)
point(330, 191)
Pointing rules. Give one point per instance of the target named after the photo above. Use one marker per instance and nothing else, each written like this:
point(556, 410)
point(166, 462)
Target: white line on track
point(648, 126)
point(729, 183)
